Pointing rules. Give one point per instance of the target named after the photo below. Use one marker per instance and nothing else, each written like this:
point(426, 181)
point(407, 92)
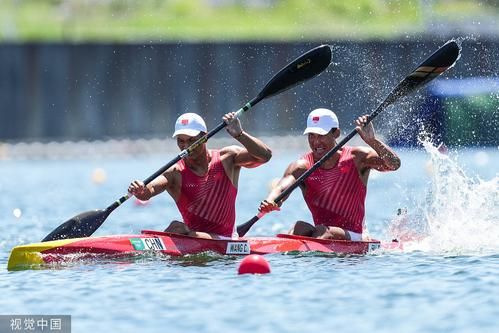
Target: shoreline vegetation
point(249, 20)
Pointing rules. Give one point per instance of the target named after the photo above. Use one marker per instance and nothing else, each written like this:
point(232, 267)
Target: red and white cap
point(321, 121)
point(190, 124)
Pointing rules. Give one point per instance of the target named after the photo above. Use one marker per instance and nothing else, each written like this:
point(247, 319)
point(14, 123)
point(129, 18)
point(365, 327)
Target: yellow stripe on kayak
point(24, 256)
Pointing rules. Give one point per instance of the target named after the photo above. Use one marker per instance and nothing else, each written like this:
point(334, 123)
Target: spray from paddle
point(460, 214)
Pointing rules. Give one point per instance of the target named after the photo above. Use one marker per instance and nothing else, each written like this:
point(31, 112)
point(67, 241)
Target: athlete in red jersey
point(204, 184)
point(335, 193)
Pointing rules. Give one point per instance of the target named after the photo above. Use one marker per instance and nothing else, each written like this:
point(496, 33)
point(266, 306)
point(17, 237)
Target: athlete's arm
point(291, 174)
point(158, 185)
point(255, 152)
point(381, 157)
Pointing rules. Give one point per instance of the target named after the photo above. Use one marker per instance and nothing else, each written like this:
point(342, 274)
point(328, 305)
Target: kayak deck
point(36, 254)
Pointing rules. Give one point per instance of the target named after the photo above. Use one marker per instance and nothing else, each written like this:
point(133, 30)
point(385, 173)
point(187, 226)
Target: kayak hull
point(38, 254)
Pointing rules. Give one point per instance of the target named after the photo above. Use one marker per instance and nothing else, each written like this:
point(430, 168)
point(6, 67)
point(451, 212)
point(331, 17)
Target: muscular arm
point(166, 181)
point(292, 173)
point(380, 157)
point(255, 152)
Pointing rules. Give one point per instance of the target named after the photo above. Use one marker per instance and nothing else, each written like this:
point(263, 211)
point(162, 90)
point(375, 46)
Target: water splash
point(460, 214)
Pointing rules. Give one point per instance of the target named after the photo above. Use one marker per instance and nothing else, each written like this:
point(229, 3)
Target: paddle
point(301, 69)
point(436, 64)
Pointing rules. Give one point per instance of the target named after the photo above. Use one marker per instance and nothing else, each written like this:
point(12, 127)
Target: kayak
point(170, 244)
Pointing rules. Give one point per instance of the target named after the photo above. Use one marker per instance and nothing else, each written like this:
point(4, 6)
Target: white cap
point(321, 121)
point(189, 124)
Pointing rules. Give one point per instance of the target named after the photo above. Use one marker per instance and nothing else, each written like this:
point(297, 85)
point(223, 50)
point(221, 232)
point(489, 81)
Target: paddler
point(335, 193)
point(204, 184)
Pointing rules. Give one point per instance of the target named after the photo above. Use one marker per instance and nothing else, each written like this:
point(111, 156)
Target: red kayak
point(38, 254)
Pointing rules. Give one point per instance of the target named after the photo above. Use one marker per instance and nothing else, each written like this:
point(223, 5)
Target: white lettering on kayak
point(238, 248)
point(155, 244)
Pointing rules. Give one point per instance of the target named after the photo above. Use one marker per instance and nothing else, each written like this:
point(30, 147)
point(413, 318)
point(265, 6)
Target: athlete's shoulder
point(305, 161)
point(298, 166)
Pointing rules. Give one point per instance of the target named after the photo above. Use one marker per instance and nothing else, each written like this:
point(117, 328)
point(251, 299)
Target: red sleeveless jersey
point(336, 196)
point(207, 203)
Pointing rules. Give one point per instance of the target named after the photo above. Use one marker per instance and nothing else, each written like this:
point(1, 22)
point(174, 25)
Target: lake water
point(445, 282)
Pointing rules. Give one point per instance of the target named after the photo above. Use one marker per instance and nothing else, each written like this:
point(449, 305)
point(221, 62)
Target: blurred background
point(118, 70)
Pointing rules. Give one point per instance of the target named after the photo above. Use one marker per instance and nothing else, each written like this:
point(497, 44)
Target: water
point(445, 280)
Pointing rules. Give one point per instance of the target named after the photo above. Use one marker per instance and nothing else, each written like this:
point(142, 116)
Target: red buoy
point(254, 264)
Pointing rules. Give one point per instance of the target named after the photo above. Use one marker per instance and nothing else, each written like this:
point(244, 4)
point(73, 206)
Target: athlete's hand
point(137, 188)
point(233, 124)
point(366, 132)
point(268, 206)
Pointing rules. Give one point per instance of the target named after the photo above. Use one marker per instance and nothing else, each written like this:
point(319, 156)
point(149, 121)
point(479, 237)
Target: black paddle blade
point(436, 64)
point(82, 225)
point(301, 69)
point(246, 226)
